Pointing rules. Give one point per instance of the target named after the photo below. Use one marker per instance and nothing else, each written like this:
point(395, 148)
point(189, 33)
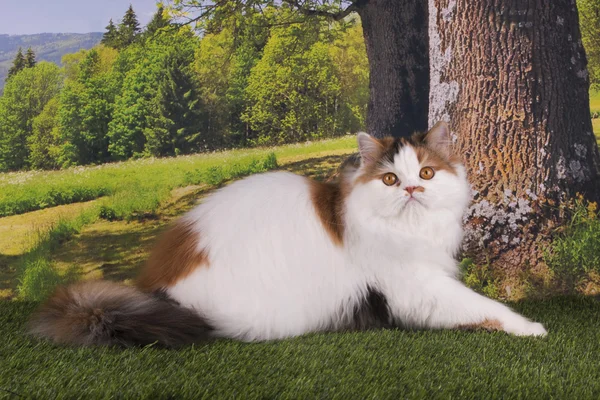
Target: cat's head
point(401, 176)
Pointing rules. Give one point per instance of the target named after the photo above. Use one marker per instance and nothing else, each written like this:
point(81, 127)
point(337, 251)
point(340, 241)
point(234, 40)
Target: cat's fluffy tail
point(107, 313)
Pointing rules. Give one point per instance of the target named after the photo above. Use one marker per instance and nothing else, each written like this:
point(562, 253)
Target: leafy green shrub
point(108, 213)
point(39, 280)
point(479, 278)
point(213, 175)
point(270, 162)
point(575, 252)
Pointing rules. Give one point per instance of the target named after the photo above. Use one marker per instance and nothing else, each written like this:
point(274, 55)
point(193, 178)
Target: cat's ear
point(438, 138)
point(369, 148)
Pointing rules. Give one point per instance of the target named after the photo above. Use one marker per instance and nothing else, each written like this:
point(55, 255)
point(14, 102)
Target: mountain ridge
point(47, 47)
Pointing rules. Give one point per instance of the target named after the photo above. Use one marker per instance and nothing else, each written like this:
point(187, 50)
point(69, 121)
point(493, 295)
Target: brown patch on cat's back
point(328, 200)
point(489, 325)
point(174, 257)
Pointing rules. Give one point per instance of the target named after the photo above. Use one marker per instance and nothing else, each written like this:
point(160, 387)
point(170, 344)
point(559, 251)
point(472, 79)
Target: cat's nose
point(410, 189)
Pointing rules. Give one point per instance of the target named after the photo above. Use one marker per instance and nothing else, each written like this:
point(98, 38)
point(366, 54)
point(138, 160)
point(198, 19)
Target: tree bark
point(511, 77)
point(396, 38)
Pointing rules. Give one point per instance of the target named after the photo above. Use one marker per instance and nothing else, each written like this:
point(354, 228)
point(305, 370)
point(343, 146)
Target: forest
point(165, 90)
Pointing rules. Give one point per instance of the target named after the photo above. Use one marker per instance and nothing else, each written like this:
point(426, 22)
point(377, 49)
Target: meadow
point(595, 110)
point(21, 192)
point(109, 236)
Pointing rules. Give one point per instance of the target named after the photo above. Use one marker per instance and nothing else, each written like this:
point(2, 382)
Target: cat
point(278, 255)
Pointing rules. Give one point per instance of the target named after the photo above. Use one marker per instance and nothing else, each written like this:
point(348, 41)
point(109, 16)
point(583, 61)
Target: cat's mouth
point(410, 203)
point(413, 199)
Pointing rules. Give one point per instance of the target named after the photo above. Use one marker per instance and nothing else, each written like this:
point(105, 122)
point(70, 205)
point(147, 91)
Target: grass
point(595, 111)
point(375, 364)
point(21, 192)
point(594, 102)
point(596, 128)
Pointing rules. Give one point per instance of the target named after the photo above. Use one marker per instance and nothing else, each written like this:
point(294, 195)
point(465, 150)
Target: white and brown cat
point(278, 255)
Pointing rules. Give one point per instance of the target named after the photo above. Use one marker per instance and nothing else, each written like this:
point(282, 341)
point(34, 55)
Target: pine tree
point(159, 21)
point(128, 28)
point(30, 58)
point(180, 107)
point(18, 64)
point(111, 36)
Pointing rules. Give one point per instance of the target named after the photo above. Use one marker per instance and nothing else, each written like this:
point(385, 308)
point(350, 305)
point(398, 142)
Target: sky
point(19, 17)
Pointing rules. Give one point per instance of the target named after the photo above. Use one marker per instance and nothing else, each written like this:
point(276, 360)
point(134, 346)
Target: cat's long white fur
point(274, 271)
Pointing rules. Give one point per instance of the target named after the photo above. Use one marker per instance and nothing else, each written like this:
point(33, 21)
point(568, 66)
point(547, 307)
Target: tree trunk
point(511, 77)
point(396, 38)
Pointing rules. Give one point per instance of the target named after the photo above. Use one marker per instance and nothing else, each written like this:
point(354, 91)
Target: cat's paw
point(527, 328)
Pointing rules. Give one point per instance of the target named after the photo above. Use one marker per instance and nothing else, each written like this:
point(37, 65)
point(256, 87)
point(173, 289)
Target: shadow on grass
point(7, 275)
point(110, 250)
point(317, 168)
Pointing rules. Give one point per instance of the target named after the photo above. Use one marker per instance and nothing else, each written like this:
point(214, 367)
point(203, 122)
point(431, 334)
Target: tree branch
point(326, 14)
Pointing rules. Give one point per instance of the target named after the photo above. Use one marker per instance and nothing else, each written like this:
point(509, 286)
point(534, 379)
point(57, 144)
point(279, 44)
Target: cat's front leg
point(455, 306)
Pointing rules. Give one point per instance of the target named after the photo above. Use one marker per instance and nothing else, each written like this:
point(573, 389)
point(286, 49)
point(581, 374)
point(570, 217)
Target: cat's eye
point(427, 173)
point(390, 179)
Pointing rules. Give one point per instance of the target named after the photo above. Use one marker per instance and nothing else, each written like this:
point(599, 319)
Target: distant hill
point(47, 47)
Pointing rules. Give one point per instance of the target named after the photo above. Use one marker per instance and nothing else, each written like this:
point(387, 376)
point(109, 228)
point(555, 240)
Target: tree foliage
point(160, 20)
point(45, 141)
point(254, 77)
point(30, 58)
point(293, 90)
point(111, 36)
point(86, 105)
point(18, 64)
point(25, 96)
point(129, 28)
point(589, 22)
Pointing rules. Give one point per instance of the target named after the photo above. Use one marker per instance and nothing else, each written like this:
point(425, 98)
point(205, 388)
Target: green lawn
point(595, 109)
point(594, 101)
point(596, 127)
point(377, 364)
point(21, 192)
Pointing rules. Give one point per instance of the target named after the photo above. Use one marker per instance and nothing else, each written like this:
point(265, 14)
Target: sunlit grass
point(21, 192)
point(596, 127)
point(594, 102)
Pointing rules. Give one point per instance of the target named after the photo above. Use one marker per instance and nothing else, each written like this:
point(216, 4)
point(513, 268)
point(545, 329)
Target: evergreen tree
point(177, 129)
point(30, 58)
point(18, 64)
point(159, 21)
point(129, 28)
point(111, 36)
